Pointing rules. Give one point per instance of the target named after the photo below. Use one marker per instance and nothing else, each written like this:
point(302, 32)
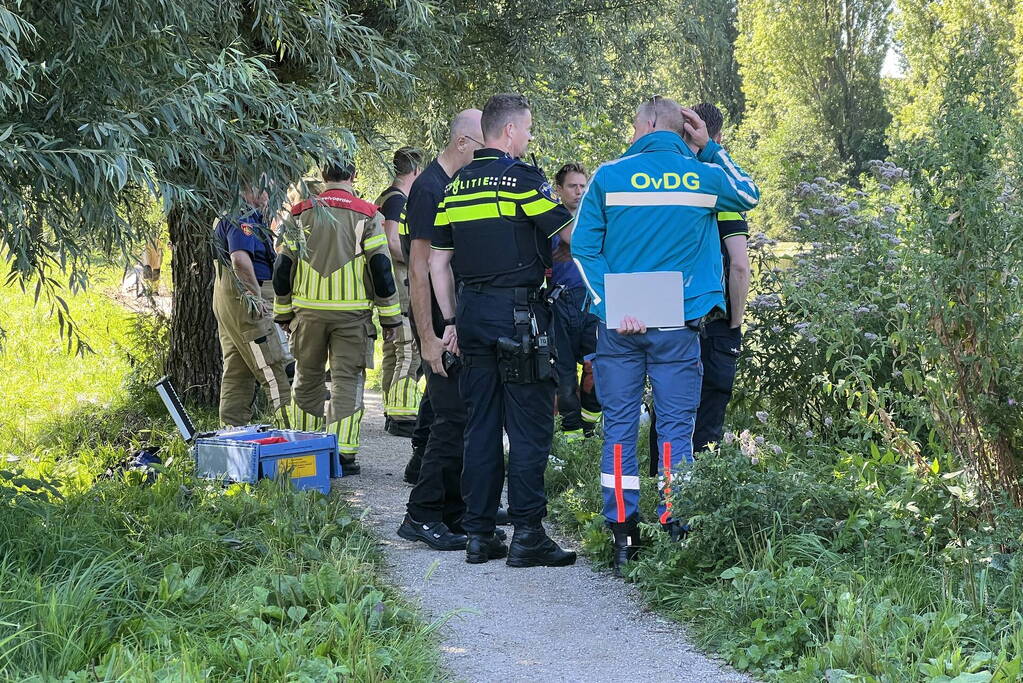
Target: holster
point(529, 357)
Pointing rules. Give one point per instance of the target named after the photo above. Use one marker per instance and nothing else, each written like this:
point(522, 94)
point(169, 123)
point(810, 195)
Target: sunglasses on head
point(653, 103)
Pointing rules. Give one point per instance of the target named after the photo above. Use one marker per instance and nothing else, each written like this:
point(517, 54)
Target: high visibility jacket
point(336, 253)
point(498, 215)
point(654, 209)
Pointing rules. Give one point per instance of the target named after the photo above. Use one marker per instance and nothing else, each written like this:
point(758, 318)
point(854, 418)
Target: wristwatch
point(448, 321)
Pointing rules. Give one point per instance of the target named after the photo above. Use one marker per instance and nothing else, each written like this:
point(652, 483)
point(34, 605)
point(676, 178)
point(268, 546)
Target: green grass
point(39, 379)
point(109, 577)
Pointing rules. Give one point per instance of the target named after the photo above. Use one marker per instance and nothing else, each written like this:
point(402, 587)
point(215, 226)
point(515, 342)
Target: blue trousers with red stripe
point(671, 359)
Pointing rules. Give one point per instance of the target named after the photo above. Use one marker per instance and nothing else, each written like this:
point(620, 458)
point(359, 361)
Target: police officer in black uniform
point(492, 236)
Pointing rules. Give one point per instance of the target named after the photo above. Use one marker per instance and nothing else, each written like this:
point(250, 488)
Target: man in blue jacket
point(654, 209)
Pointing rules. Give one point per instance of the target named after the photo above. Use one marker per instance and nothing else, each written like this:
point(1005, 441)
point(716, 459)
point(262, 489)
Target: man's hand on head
point(695, 128)
point(630, 325)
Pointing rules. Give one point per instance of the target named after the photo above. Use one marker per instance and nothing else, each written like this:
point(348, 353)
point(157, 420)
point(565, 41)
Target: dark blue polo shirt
point(249, 233)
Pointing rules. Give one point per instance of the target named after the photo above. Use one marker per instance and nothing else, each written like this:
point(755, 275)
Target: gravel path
point(539, 624)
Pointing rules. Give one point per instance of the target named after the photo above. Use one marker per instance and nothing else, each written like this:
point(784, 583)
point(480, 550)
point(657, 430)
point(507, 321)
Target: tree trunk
point(194, 362)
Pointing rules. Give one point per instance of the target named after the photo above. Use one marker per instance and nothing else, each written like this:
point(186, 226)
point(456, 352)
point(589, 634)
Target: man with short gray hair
point(654, 210)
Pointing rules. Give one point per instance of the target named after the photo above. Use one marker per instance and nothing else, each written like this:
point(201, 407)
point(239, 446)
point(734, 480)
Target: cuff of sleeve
point(706, 154)
point(561, 227)
point(284, 318)
point(392, 311)
point(283, 307)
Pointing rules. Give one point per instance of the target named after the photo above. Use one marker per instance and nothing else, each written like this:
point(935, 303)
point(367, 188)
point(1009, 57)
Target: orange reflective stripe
point(619, 493)
point(666, 465)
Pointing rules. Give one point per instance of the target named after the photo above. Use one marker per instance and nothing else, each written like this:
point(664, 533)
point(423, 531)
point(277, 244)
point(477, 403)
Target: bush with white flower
point(849, 338)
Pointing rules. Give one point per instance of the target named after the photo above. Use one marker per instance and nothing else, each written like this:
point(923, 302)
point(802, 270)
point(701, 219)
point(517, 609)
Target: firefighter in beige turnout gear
point(399, 376)
point(332, 268)
point(242, 296)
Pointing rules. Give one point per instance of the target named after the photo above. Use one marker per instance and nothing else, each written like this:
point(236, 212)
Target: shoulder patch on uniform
point(247, 229)
point(547, 191)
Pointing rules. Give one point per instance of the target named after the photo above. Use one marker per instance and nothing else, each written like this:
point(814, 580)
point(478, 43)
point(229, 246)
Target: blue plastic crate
point(307, 457)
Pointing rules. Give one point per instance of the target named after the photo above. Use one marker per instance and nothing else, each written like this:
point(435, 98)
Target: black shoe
point(626, 544)
point(532, 547)
point(481, 548)
point(502, 517)
point(677, 529)
point(350, 467)
point(434, 534)
point(414, 465)
point(402, 428)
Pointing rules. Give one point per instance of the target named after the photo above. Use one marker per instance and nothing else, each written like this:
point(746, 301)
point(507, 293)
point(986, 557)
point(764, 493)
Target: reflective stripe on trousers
point(671, 359)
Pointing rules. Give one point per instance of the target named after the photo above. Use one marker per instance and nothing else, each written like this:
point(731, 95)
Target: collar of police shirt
point(488, 153)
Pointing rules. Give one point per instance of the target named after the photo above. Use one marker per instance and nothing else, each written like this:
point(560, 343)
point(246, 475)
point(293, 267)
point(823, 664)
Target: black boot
point(414, 464)
point(484, 547)
point(434, 534)
point(350, 466)
point(532, 547)
point(626, 544)
point(677, 529)
point(402, 428)
point(502, 517)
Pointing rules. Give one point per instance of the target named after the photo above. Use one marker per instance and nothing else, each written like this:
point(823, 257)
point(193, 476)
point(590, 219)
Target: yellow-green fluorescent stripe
point(355, 305)
point(374, 242)
point(535, 208)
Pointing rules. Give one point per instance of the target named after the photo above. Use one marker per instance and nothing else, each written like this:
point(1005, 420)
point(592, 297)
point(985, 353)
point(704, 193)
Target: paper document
point(655, 299)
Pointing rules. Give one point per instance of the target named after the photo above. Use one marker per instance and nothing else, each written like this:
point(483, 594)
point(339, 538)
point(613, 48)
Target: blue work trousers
point(671, 359)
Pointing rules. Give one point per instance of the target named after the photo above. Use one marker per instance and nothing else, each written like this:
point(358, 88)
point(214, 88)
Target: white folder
point(655, 299)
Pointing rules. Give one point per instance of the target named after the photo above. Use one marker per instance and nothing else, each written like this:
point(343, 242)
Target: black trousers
point(575, 336)
point(424, 417)
point(524, 411)
point(424, 420)
point(437, 495)
point(720, 346)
